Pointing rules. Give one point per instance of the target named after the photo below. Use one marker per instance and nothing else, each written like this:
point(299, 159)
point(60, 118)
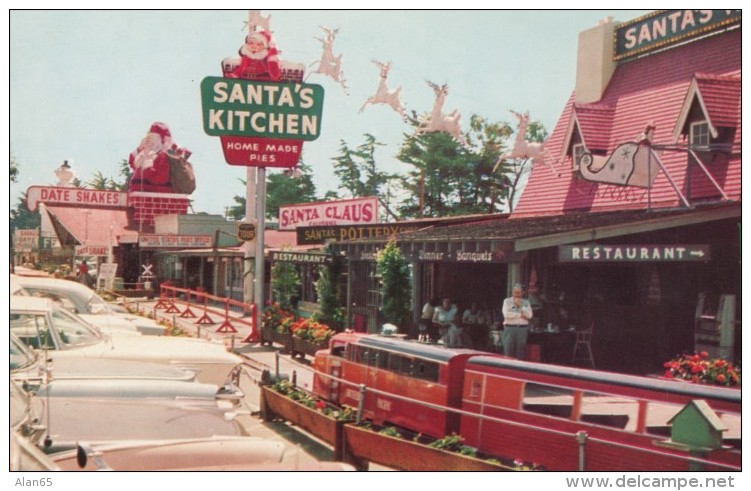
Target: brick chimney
point(594, 61)
point(147, 205)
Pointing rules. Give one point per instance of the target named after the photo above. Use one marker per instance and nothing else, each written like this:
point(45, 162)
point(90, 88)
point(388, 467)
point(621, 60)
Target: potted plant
point(700, 369)
point(396, 290)
point(310, 336)
point(306, 411)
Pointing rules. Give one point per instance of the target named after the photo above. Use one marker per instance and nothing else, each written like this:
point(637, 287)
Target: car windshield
point(72, 330)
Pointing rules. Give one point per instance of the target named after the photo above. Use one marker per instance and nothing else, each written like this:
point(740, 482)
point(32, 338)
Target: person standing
point(426, 320)
point(445, 316)
point(517, 312)
point(83, 273)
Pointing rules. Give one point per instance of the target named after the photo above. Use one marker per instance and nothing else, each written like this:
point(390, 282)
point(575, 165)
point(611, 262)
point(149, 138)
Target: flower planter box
point(267, 335)
point(304, 347)
point(363, 445)
point(285, 339)
point(326, 428)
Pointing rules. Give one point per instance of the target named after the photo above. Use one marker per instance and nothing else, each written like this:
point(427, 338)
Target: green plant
point(285, 282)
point(327, 297)
point(390, 431)
point(396, 289)
point(454, 443)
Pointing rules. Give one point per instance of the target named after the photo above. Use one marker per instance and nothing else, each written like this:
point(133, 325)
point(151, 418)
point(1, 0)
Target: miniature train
point(551, 415)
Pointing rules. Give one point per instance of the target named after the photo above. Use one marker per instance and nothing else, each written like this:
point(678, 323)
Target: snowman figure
point(65, 175)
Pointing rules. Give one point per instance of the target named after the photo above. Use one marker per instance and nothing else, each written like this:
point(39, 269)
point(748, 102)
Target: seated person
point(445, 317)
point(475, 319)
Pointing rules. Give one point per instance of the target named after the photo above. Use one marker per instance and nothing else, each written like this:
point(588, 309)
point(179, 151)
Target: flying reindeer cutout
point(383, 95)
point(256, 20)
point(524, 149)
point(439, 121)
point(329, 64)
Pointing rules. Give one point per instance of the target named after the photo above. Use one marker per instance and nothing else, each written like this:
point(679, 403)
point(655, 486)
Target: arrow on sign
point(699, 253)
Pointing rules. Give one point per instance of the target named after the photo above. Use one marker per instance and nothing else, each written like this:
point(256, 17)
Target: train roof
point(412, 348)
point(658, 384)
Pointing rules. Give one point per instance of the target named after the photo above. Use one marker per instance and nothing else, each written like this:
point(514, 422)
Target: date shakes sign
point(261, 123)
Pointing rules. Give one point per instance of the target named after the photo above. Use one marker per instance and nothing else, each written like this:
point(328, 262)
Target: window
point(607, 410)
point(699, 136)
point(32, 330)
point(577, 151)
point(548, 399)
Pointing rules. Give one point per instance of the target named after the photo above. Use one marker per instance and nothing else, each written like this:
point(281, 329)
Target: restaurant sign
point(171, 240)
point(594, 253)
point(668, 27)
point(339, 212)
point(301, 257)
point(74, 196)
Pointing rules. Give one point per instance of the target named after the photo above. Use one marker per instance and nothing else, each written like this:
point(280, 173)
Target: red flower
point(721, 378)
point(320, 405)
point(704, 354)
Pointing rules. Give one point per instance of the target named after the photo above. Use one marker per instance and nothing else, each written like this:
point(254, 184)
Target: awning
point(93, 226)
point(516, 235)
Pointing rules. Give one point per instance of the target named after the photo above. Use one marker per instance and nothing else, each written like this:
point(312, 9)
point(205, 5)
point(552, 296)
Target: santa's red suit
point(151, 168)
point(259, 65)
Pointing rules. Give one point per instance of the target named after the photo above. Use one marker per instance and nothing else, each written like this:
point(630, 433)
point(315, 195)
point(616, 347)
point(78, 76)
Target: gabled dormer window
point(577, 151)
point(699, 137)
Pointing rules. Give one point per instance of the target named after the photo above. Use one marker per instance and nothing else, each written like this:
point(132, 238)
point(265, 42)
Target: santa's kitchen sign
point(260, 123)
point(360, 211)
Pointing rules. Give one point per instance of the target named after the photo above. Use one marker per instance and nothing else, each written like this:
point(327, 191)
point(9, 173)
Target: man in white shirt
point(516, 315)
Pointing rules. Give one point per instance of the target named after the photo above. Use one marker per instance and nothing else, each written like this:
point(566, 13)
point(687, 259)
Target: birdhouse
point(697, 427)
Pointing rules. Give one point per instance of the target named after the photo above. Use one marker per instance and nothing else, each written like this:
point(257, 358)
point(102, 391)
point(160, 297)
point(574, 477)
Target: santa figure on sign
point(259, 58)
point(151, 168)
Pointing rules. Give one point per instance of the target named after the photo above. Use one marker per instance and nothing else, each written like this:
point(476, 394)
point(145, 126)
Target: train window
point(607, 410)
point(548, 399)
point(426, 370)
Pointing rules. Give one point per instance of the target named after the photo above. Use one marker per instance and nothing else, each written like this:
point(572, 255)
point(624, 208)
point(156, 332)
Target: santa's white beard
point(145, 159)
point(260, 55)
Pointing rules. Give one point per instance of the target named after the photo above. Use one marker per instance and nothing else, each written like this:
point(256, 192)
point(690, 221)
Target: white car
point(43, 325)
point(85, 302)
point(103, 378)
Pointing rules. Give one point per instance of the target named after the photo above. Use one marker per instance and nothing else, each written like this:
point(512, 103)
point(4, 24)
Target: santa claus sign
point(159, 165)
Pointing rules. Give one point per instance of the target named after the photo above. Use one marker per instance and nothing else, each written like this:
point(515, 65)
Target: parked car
point(71, 377)
point(85, 302)
point(57, 423)
point(43, 325)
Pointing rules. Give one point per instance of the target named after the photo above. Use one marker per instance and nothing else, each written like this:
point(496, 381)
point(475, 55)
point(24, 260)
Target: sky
point(85, 85)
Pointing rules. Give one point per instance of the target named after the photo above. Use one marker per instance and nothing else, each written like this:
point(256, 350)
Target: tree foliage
point(359, 176)
point(450, 179)
point(281, 189)
point(285, 283)
point(396, 288)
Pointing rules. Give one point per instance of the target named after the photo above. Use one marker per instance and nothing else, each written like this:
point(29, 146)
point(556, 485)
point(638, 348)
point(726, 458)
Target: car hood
point(73, 419)
point(126, 389)
point(101, 368)
point(111, 324)
point(172, 350)
point(144, 325)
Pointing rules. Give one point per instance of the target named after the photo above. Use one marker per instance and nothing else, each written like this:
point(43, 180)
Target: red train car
point(521, 410)
point(626, 418)
point(401, 376)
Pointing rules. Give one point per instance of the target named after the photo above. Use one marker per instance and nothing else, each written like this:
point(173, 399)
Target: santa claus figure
point(259, 58)
point(151, 168)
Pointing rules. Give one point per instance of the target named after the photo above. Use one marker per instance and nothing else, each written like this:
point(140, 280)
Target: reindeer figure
point(439, 121)
point(383, 95)
point(524, 149)
point(329, 64)
point(255, 20)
